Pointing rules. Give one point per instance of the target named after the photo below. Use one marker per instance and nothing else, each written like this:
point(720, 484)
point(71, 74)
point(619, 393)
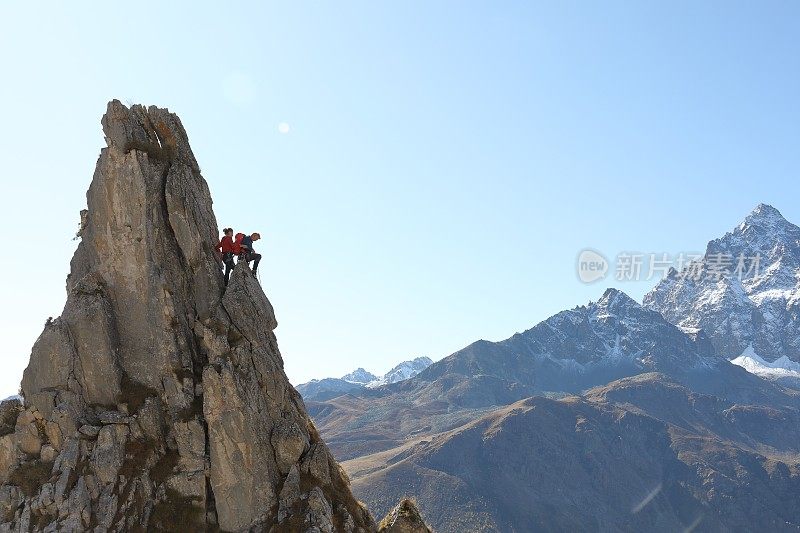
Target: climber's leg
point(255, 258)
point(228, 260)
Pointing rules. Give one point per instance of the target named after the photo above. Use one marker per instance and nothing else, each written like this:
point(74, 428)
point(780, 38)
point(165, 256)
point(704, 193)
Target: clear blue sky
point(445, 162)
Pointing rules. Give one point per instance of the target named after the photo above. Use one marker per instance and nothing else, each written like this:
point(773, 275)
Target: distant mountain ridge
point(572, 351)
point(583, 347)
point(359, 379)
point(405, 370)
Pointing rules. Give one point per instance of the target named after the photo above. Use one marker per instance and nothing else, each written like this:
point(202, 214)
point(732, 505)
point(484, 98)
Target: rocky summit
point(158, 399)
point(743, 293)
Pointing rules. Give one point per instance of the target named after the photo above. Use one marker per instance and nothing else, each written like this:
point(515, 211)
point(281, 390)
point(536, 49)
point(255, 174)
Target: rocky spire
point(404, 518)
point(158, 400)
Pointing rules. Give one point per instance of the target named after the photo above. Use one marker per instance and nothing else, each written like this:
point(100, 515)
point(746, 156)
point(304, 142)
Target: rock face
point(744, 293)
point(158, 400)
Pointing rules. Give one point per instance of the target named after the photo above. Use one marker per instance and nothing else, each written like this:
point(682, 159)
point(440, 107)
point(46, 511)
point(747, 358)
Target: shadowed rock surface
point(158, 400)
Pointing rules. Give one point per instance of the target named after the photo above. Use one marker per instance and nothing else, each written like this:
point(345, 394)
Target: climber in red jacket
point(226, 247)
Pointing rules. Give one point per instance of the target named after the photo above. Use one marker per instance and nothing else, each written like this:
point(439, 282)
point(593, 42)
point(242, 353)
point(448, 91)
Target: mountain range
point(610, 416)
point(359, 379)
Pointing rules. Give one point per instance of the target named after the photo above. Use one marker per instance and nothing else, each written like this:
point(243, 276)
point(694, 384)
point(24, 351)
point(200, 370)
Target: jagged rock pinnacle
point(158, 400)
point(404, 518)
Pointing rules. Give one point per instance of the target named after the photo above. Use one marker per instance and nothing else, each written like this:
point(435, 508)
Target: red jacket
point(225, 245)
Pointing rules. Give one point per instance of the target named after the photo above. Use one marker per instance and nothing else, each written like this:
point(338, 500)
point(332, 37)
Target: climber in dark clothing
point(248, 253)
point(226, 248)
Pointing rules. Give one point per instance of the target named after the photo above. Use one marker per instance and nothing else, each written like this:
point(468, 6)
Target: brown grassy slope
point(637, 454)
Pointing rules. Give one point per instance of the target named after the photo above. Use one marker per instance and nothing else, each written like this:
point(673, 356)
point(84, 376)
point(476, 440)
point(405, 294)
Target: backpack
point(237, 243)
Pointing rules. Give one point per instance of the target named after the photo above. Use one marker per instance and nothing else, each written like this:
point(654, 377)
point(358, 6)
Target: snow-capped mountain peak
point(359, 375)
point(614, 328)
point(405, 370)
point(753, 302)
point(360, 379)
point(764, 232)
point(613, 302)
point(765, 216)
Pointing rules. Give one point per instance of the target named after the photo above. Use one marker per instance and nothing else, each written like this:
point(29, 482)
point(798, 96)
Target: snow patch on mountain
point(780, 368)
point(791, 297)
